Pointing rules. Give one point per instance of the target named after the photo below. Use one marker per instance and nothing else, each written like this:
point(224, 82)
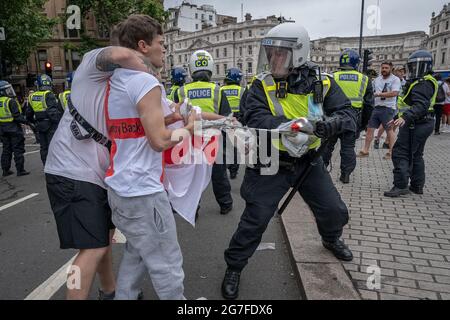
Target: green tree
point(108, 13)
point(25, 26)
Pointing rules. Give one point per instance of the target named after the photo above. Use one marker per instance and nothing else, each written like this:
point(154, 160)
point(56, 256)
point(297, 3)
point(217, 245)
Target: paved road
point(30, 253)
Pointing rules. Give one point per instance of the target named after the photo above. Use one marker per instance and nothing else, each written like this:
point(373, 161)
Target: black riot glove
point(328, 128)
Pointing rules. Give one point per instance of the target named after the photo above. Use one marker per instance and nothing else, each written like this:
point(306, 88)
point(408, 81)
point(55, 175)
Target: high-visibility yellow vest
point(293, 106)
point(354, 84)
point(64, 97)
point(5, 112)
point(203, 94)
point(37, 101)
point(402, 106)
point(171, 95)
point(233, 93)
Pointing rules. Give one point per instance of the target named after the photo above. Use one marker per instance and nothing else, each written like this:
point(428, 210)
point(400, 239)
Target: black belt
point(92, 132)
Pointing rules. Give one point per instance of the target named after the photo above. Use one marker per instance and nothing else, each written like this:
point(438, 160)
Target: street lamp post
point(361, 28)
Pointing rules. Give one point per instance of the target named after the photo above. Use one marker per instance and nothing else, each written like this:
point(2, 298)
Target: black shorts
point(82, 212)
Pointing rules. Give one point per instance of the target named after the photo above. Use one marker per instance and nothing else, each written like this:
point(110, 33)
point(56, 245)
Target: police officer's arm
point(176, 98)
point(336, 104)
point(29, 114)
point(240, 114)
point(54, 108)
point(15, 112)
point(112, 58)
point(368, 105)
point(257, 111)
point(224, 108)
point(420, 98)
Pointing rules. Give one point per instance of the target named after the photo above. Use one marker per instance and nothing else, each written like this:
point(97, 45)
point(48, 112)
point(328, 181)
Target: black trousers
point(262, 194)
point(407, 154)
point(348, 155)
point(45, 137)
point(13, 143)
point(221, 185)
point(438, 115)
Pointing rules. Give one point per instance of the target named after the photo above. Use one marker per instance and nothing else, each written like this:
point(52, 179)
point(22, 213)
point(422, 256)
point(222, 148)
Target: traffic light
point(48, 69)
point(367, 61)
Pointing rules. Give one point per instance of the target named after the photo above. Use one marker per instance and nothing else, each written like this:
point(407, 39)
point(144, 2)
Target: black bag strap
point(92, 133)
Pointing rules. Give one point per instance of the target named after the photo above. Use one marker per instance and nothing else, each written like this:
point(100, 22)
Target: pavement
point(401, 246)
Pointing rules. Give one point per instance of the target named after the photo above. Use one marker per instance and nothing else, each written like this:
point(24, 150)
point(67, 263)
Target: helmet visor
point(7, 92)
point(276, 56)
point(417, 69)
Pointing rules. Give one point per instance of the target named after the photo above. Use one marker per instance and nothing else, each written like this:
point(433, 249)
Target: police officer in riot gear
point(206, 94)
point(416, 121)
point(178, 79)
point(293, 88)
point(233, 92)
point(64, 96)
point(45, 112)
point(358, 88)
point(11, 132)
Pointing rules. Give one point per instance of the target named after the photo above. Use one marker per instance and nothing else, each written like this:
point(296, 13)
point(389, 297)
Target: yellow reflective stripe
point(5, 112)
point(271, 89)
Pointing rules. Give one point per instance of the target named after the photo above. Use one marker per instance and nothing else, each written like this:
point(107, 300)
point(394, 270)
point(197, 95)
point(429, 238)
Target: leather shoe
point(7, 173)
point(230, 284)
point(339, 249)
point(345, 178)
point(225, 210)
point(416, 190)
point(22, 173)
point(396, 192)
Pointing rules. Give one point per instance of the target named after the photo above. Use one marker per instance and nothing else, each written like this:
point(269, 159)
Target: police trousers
point(348, 155)
point(407, 154)
point(262, 194)
point(13, 143)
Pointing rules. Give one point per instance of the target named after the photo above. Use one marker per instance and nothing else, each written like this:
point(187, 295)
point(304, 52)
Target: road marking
point(31, 152)
point(9, 205)
point(50, 286)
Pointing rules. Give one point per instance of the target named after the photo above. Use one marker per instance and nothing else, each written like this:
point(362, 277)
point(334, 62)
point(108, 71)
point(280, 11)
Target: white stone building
point(439, 41)
point(395, 47)
point(191, 18)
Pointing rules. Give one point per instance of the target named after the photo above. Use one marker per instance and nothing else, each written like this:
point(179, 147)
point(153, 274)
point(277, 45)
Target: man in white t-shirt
point(386, 89)
point(139, 203)
point(75, 171)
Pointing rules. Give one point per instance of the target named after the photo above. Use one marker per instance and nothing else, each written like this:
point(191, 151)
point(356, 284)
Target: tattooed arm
point(112, 58)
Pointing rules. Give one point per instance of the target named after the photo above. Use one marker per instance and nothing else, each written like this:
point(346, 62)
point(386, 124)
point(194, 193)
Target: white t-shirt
point(392, 84)
point(135, 168)
point(446, 90)
point(83, 160)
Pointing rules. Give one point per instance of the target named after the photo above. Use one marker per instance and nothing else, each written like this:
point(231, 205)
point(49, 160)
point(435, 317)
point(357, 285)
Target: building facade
point(439, 42)
point(395, 47)
point(191, 18)
point(231, 45)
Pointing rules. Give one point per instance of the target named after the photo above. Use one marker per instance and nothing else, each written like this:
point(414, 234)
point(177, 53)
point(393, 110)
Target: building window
point(225, 68)
point(435, 43)
point(71, 33)
point(179, 58)
point(239, 66)
point(437, 29)
point(445, 40)
point(446, 25)
point(207, 38)
point(250, 50)
point(224, 52)
point(42, 57)
point(217, 69)
point(240, 51)
point(210, 18)
point(262, 32)
point(240, 34)
point(443, 58)
point(431, 45)
point(249, 67)
point(217, 38)
point(432, 32)
point(185, 58)
point(225, 36)
point(203, 16)
point(196, 16)
point(217, 53)
point(196, 26)
point(434, 56)
point(250, 33)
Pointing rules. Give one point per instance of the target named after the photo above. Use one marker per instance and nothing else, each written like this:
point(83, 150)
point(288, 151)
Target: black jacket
point(419, 99)
point(52, 116)
point(368, 105)
point(14, 126)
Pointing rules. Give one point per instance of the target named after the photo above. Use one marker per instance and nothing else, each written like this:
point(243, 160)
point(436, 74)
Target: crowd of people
point(109, 143)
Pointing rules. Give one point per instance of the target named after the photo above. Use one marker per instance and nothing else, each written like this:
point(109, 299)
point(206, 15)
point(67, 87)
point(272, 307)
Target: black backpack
point(440, 98)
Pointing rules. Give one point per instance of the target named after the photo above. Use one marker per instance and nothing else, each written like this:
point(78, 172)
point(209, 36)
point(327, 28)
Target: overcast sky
point(323, 18)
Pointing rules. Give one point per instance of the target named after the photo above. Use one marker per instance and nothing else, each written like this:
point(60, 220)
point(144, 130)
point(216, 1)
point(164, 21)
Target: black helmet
point(419, 64)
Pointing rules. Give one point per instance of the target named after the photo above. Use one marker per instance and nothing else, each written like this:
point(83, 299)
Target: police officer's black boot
point(339, 249)
point(345, 177)
point(21, 171)
point(230, 284)
point(396, 192)
point(7, 173)
point(416, 190)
